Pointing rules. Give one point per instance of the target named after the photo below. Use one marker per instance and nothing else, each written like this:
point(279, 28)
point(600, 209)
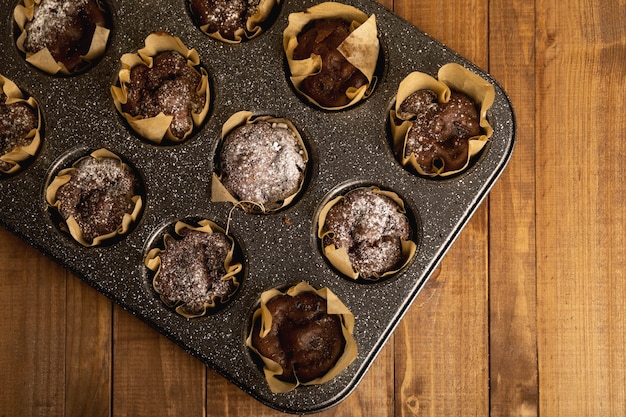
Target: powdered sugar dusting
point(369, 226)
point(262, 162)
point(192, 269)
point(50, 18)
point(98, 195)
point(16, 121)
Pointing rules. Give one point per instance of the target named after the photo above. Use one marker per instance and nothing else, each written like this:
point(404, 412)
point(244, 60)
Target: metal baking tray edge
point(348, 148)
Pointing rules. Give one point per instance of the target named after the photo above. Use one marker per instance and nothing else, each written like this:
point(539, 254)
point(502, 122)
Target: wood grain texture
point(88, 361)
point(581, 234)
point(32, 329)
point(151, 375)
point(512, 266)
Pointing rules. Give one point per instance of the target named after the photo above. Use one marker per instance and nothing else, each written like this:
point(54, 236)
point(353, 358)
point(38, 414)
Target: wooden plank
point(151, 375)
point(373, 397)
point(441, 345)
point(88, 351)
point(581, 229)
point(32, 329)
point(512, 277)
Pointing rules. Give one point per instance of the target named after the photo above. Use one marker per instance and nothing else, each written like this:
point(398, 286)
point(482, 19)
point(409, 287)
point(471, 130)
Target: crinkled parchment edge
point(339, 258)
point(360, 48)
point(153, 262)
point(450, 76)
point(272, 369)
point(156, 129)
point(70, 225)
point(219, 193)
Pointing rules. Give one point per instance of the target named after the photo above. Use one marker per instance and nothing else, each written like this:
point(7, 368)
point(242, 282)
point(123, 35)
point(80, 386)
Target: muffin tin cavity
point(95, 196)
point(346, 149)
point(367, 233)
point(261, 163)
point(62, 38)
point(21, 128)
point(194, 267)
point(233, 21)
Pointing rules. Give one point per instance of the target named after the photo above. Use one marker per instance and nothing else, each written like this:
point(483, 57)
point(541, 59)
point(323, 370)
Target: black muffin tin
point(348, 148)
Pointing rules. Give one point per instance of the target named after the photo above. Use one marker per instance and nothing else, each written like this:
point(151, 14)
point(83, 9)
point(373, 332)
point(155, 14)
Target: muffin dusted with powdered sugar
point(191, 271)
point(232, 20)
point(64, 28)
point(162, 90)
point(262, 163)
point(17, 120)
point(98, 197)
point(196, 270)
point(370, 230)
point(168, 87)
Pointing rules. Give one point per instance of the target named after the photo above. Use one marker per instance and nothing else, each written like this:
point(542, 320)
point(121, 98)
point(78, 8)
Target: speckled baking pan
point(347, 148)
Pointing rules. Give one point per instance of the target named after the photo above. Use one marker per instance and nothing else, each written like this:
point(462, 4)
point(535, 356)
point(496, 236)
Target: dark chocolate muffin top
point(98, 195)
point(16, 121)
point(370, 226)
point(262, 162)
point(439, 135)
point(328, 87)
point(224, 16)
point(169, 87)
point(65, 27)
point(304, 339)
point(191, 271)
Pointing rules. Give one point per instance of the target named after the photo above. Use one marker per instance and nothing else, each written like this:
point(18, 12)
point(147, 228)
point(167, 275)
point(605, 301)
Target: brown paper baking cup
point(272, 369)
point(219, 193)
point(70, 225)
point(43, 59)
point(254, 24)
point(157, 129)
point(339, 258)
point(451, 76)
point(20, 154)
point(360, 48)
point(233, 268)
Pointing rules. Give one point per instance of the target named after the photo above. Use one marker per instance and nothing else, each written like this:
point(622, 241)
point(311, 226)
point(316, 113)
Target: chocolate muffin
point(304, 339)
point(17, 120)
point(224, 16)
point(440, 132)
point(439, 124)
point(193, 275)
point(100, 194)
point(262, 163)
point(170, 87)
point(66, 28)
point(371, 227)
point(329, 86)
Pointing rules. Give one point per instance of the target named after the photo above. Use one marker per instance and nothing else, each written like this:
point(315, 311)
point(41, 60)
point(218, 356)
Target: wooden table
point(525, 316)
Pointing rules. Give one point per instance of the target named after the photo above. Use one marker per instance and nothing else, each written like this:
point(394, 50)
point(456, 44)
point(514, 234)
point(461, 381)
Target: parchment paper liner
point(19, 154)
point(71, 226)
point(273, 370)
point(451, 76)
point(253, 24)
point(43, 59)
point(339, 258)
point(360, 48)
point(157, 128)
point(153, 262)
point(219, 193)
